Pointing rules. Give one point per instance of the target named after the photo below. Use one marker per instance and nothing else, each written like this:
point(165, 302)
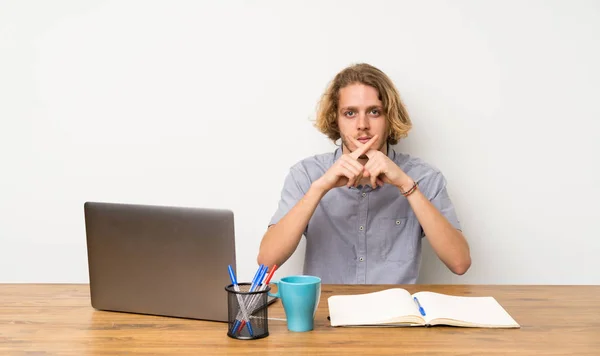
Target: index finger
point(362, 149)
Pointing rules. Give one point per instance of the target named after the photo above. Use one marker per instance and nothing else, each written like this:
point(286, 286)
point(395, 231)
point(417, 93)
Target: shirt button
point(361, 228)
point(364, 194)
point(398, 222)
point(361, 259)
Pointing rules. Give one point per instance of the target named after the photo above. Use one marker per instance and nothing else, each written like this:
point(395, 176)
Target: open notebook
point(397, 306)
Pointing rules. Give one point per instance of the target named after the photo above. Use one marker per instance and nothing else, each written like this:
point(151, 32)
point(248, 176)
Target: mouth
point(364, 139)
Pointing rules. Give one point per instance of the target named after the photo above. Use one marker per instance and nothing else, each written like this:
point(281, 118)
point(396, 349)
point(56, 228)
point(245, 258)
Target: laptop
point(160, 260)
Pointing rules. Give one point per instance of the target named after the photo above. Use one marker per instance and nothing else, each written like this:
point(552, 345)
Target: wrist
point(405, 184)
point(410, 191)
point(318, 188)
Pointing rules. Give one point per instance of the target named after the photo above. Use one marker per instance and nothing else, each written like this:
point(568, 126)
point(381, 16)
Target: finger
point(358, 178)
point(356, 181)
point(380, 182)
point(353, 162)
point(359, 169)
point(362, 149)
point(374, 172)
point(374, 180)
point(371, 153)
point(356, 142)
point(352, 167)
point(349, 175)
point(369, 169)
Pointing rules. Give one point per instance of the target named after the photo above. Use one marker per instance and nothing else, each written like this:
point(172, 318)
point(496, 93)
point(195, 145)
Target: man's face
point(360, 115)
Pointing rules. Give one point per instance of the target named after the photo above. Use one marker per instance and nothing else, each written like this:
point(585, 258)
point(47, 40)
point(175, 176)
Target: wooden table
point(58, 320)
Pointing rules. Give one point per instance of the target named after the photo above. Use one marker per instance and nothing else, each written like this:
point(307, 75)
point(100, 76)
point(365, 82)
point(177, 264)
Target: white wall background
point(208, 103)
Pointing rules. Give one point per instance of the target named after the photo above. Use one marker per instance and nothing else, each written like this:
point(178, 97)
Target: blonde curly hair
point(399, 122)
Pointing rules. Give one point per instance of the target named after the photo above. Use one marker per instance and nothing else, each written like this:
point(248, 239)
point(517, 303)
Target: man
point(364, 208)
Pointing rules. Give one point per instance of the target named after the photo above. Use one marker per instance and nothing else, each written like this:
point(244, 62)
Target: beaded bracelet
point(411, 190)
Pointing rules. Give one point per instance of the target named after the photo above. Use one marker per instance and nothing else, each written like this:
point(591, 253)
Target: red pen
point(268, 279)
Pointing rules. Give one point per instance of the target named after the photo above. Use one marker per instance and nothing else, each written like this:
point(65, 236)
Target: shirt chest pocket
point(395, 239)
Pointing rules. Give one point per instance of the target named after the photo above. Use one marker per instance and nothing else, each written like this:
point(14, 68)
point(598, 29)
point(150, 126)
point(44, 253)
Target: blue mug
point(300, 296)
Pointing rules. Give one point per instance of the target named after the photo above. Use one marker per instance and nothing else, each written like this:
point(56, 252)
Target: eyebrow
point(369, 108)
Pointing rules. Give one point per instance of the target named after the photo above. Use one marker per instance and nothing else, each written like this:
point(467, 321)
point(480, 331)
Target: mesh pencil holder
point(247, 312)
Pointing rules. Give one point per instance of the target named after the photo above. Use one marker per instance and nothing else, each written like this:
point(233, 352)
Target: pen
point(242, 306)
point(420, 307)
point(255, 283)
point(268, 279)
point(258, 278)
point(264, 286)
point(237, 326)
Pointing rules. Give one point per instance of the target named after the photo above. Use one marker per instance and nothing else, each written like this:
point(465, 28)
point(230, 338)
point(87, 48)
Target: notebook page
point(479, 311)
point(371, 308)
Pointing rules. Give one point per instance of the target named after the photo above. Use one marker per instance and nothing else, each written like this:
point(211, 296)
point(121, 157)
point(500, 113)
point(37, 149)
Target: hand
point(346, 170)
point(380, 169)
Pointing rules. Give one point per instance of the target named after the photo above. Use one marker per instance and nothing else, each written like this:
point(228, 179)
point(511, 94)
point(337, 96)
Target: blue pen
point(257, 272)
point(236, 288)
point(255, 281)
point(242, 306)
point(259, 277)
point(420, 307)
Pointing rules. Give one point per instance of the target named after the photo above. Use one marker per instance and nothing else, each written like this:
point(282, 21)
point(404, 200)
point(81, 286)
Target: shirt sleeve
point(295, 186)
point(437, 193)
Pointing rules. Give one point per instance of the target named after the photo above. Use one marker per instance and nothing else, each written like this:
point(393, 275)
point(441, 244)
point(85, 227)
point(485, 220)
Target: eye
point(349, 113)
point(375, 112)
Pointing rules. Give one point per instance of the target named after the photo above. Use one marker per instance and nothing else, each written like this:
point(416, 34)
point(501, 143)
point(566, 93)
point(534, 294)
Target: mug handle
point(276, 295)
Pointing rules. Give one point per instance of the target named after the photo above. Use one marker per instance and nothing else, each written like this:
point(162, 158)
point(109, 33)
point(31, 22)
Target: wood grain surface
point(49, 319)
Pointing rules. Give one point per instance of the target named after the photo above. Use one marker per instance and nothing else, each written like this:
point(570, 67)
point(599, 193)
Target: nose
point(362, 122)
